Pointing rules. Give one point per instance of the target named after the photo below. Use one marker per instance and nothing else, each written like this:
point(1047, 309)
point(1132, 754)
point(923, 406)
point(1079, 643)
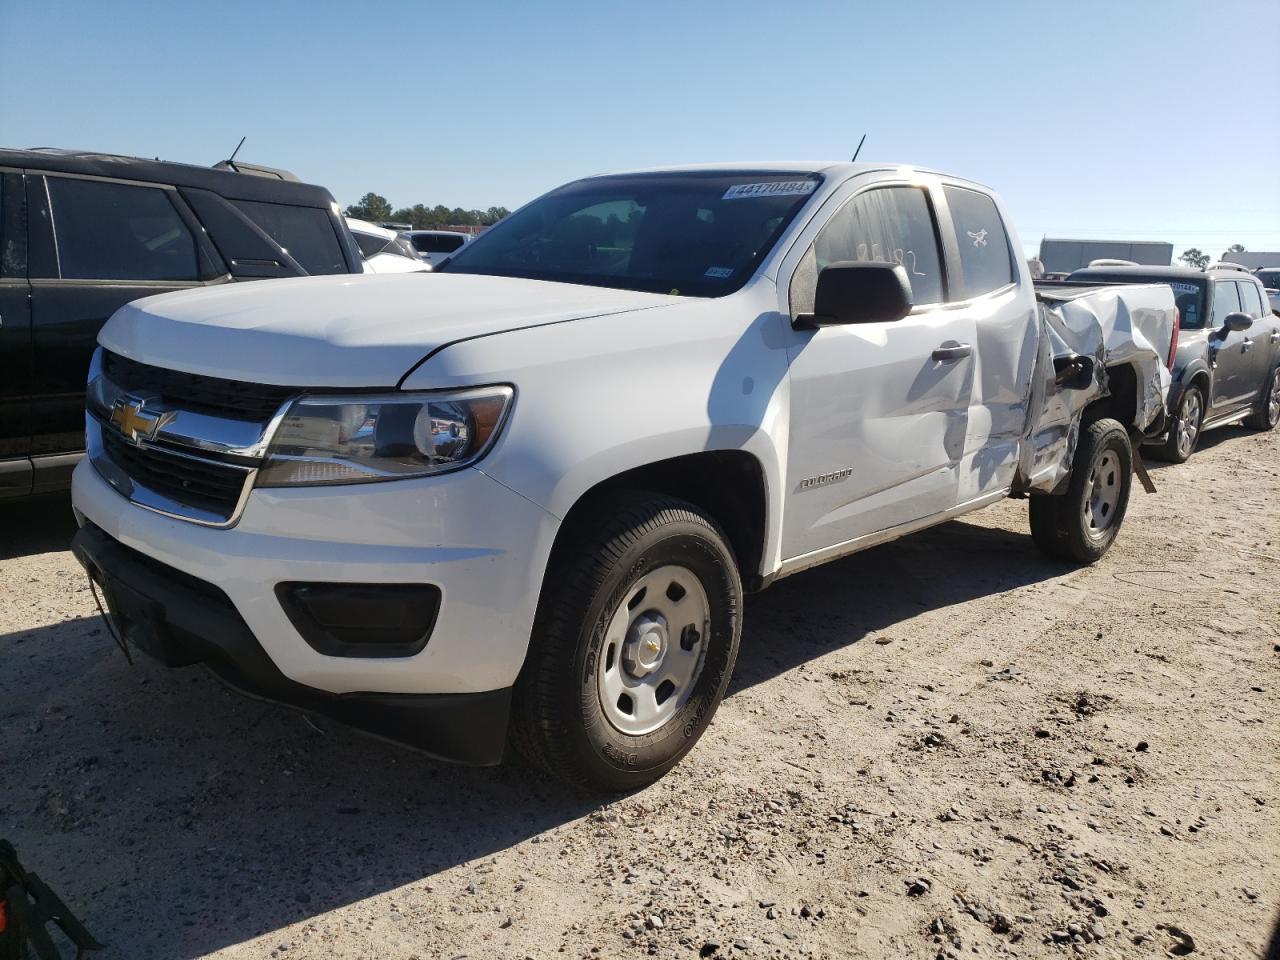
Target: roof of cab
point(240, 186)
point(840, 169)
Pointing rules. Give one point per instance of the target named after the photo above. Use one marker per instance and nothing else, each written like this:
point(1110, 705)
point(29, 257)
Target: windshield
point(696, 234)
point(1270, 278)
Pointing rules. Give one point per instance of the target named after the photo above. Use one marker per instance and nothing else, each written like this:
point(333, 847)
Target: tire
point(1185, 428)
point(1082, 523)
point(597, 625)
point(1266, 412)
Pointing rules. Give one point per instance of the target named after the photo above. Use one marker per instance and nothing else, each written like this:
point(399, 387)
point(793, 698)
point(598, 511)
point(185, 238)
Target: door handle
point(951, 350)
point(1275, 336)
point(1246, 344)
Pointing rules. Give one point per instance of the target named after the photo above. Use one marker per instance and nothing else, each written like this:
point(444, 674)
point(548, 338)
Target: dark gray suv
point(1226, 368)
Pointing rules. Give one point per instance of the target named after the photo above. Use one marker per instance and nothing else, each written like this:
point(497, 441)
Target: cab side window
point(986, 258)
point(117, 231)
point(883, 224)
point(1251, 297)
point(1226, 299)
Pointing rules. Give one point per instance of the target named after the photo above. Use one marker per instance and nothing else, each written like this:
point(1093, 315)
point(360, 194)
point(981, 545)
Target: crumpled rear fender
point(1111, 328)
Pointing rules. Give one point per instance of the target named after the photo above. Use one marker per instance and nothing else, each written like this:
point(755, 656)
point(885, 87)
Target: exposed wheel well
point(727, 484)
point(1121, 401)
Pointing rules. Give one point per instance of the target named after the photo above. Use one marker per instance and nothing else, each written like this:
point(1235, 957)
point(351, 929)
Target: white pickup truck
point(522, 497)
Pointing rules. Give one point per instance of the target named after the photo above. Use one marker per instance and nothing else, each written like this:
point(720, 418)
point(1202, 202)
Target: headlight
point(348, 439)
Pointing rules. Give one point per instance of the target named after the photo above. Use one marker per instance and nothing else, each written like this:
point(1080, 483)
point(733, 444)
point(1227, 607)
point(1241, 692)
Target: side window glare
point(883, 224)
point(1226, 299)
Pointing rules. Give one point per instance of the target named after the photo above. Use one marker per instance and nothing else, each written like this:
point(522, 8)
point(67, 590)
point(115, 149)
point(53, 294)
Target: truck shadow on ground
point(845, 602)
point(36, 525)
point(178, 818)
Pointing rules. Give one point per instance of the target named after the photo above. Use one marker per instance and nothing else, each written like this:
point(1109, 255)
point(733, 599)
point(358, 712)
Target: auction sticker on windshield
point(774, 188)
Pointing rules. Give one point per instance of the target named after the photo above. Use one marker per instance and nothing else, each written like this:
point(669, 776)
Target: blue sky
point(1124, 119)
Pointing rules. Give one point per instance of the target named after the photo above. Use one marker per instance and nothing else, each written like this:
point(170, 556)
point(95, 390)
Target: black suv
point(1227, 367)
point(82, 234)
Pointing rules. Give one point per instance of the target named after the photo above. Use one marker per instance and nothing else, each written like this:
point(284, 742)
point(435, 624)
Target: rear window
point(1190, 300)
point(1270, 278)
point(305, 233)
point(436, 243)
point(986, 258)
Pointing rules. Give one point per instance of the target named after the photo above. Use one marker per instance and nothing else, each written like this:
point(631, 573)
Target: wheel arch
point(730, 485)
point(1197, 375)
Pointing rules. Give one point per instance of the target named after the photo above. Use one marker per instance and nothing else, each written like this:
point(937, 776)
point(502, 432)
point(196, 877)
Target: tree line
point(1198, 260)
point(377, 209)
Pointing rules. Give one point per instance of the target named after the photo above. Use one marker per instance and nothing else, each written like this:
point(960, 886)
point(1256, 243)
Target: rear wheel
point(1184, 428)
point(1082, 523)
point(633, 645)
point(1266, 412)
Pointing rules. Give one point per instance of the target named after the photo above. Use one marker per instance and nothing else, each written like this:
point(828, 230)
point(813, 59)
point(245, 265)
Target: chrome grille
point(205, 485)
point(196, 392)
point(180, 444)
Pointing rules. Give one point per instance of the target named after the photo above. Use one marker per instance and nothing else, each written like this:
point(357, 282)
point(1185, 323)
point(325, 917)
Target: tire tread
point(1056, 527)
point(579, 567)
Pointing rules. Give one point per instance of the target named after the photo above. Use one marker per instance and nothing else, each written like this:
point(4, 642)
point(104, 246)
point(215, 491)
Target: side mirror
point(1235, 322)
point(856, 292)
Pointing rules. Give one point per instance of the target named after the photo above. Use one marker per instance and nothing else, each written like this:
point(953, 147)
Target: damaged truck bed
point(1104, 351)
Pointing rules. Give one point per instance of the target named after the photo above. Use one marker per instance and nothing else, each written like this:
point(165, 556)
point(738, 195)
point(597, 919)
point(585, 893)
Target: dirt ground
point(944, 746)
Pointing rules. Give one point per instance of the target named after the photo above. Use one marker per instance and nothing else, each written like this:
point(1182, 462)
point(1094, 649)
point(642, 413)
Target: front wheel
point(1082, 523)
point(1266, 414)
point(633, 645)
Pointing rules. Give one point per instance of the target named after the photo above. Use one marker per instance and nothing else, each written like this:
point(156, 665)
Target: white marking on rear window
point(719, 273)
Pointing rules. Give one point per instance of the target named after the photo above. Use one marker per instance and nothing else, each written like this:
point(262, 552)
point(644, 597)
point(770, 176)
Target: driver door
point(878, 411)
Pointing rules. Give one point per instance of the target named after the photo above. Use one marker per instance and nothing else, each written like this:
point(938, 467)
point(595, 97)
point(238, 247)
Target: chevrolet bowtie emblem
point(134, 422)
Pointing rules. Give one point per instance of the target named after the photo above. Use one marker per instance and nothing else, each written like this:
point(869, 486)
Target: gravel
point(181, 820)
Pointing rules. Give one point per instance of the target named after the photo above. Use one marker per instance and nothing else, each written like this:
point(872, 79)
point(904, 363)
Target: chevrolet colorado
point(522, 497)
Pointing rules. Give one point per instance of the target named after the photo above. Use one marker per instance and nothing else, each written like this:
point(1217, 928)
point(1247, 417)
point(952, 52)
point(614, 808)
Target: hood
point(345, 330)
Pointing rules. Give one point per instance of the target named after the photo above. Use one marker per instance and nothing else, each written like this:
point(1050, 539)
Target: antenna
point(855, 153)
point(241, 144)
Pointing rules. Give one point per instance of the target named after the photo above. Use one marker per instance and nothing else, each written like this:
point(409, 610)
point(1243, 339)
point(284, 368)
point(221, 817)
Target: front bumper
point(181, 620)
point(484, 547)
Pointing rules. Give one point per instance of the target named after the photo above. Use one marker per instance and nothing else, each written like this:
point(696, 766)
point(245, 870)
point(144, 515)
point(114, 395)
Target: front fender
point(601, 396)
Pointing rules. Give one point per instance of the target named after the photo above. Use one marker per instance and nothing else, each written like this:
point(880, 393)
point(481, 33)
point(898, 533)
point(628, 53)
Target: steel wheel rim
point(1273, 404)
point(653, 651)
point(1189, 424)
point(1102, 494)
